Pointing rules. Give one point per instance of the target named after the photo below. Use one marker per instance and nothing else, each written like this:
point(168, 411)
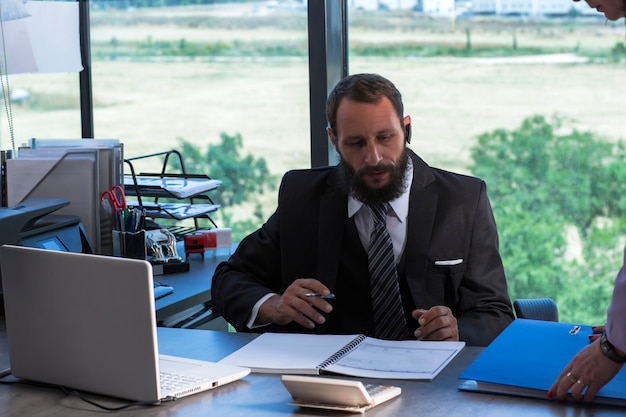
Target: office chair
point(536, 309)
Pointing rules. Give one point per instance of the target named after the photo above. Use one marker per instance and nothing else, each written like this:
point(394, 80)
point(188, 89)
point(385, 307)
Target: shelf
point(190, 189)
point(161, 185)
point(178, 211)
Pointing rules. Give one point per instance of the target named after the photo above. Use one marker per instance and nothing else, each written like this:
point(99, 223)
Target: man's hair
point(364, 88)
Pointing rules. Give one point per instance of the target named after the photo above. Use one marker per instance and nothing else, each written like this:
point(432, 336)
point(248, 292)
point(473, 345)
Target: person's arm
point(252, 272)
point(263, 264)
point(596, 364)
point(253, 322)
point(616, 315)
point(237, 290)
point(484, 306)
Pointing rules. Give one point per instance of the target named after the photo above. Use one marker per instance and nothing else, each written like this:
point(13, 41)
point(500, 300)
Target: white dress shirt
point(396, 217)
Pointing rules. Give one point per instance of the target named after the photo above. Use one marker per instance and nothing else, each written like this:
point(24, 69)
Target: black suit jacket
point(450, 219)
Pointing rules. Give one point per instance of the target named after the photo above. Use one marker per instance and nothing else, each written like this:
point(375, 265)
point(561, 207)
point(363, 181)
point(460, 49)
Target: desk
point(191, 288)
point(260, 395)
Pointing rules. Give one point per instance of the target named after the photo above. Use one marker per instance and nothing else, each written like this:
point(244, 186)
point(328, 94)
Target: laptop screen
point(81, 321)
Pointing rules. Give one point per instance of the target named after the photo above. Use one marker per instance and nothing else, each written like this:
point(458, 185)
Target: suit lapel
point(331, 232)
point(422, 210)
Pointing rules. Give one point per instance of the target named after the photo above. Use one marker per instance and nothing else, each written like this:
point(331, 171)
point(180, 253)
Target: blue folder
point(527, 357)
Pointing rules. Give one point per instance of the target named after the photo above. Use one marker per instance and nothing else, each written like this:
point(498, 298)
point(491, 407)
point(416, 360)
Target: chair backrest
point(536, 309)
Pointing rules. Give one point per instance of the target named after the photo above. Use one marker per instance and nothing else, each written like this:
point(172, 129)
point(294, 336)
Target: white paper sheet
point(47, 41)
point(19, 53)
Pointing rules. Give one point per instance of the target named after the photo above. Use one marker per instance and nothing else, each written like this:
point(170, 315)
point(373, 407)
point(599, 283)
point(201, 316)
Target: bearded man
point(380, 244)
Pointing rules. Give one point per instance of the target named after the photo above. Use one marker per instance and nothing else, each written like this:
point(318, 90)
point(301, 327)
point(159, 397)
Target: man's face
point(371, 141)
point(612, 9)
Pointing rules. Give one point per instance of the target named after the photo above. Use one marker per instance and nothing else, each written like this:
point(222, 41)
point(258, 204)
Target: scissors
point(114, 203)
point(114, 197)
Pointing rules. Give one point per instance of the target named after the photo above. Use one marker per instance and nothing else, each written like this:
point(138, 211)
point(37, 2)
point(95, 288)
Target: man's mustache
point(375, 169)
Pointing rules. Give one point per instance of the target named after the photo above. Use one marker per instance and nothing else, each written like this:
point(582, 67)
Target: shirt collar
point(399, 206)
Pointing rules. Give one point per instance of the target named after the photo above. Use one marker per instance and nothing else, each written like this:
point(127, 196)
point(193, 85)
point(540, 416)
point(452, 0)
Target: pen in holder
point(129, 245)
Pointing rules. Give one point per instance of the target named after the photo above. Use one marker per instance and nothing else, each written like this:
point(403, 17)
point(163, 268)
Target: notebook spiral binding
point(341, 352)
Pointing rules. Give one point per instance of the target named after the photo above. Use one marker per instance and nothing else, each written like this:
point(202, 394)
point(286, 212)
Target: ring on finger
point(571, 377)
point(579, 381)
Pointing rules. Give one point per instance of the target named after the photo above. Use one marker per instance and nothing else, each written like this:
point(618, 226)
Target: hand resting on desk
point(437, 323)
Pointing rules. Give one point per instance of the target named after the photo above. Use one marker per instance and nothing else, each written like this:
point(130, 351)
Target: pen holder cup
point(129, 245)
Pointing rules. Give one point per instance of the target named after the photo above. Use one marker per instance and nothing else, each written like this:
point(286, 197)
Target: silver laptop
point(88, 322)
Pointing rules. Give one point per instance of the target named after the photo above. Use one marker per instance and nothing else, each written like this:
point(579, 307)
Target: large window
point(509, 99)
point(164, 73)
point(167, 72)
point(529, 100)
point(42, 106)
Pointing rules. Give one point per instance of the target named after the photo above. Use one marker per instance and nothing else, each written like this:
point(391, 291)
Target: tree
point(558, 197)
point(244, 179)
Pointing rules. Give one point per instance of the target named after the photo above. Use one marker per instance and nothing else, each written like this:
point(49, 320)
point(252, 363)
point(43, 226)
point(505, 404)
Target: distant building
point(530, 7)
point(438, 7)
point(380, 4)
point(433, 7)
point(481, 7)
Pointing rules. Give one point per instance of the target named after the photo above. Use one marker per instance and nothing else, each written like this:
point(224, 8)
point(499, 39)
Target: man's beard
point(352, 181)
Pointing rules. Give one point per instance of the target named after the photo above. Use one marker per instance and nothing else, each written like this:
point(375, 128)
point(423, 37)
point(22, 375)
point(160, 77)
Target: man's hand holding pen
point(301, 302)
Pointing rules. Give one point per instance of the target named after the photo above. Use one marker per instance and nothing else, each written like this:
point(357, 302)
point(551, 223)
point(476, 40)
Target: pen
point(314, 294)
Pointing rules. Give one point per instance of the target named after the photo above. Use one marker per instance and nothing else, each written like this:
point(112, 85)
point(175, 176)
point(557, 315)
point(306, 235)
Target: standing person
point(612, 9)
point(596, 364)
point(443, 274)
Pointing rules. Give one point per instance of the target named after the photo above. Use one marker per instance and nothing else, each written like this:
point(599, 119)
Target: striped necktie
point(389, 319)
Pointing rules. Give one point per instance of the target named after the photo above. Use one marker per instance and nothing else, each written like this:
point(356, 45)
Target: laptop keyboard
point(170, 381)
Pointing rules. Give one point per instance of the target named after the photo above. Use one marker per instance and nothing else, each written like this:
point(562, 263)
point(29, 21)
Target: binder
point(528, 356)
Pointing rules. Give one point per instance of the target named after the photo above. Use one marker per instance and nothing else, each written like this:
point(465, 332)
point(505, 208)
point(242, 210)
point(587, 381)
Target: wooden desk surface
point(263, 395)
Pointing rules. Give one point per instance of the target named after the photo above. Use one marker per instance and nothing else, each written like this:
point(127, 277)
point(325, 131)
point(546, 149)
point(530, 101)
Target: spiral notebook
point(353, 355)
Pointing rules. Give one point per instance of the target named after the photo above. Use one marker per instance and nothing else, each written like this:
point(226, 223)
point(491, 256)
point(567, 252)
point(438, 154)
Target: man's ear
point(332, 137)
point(407, 129)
